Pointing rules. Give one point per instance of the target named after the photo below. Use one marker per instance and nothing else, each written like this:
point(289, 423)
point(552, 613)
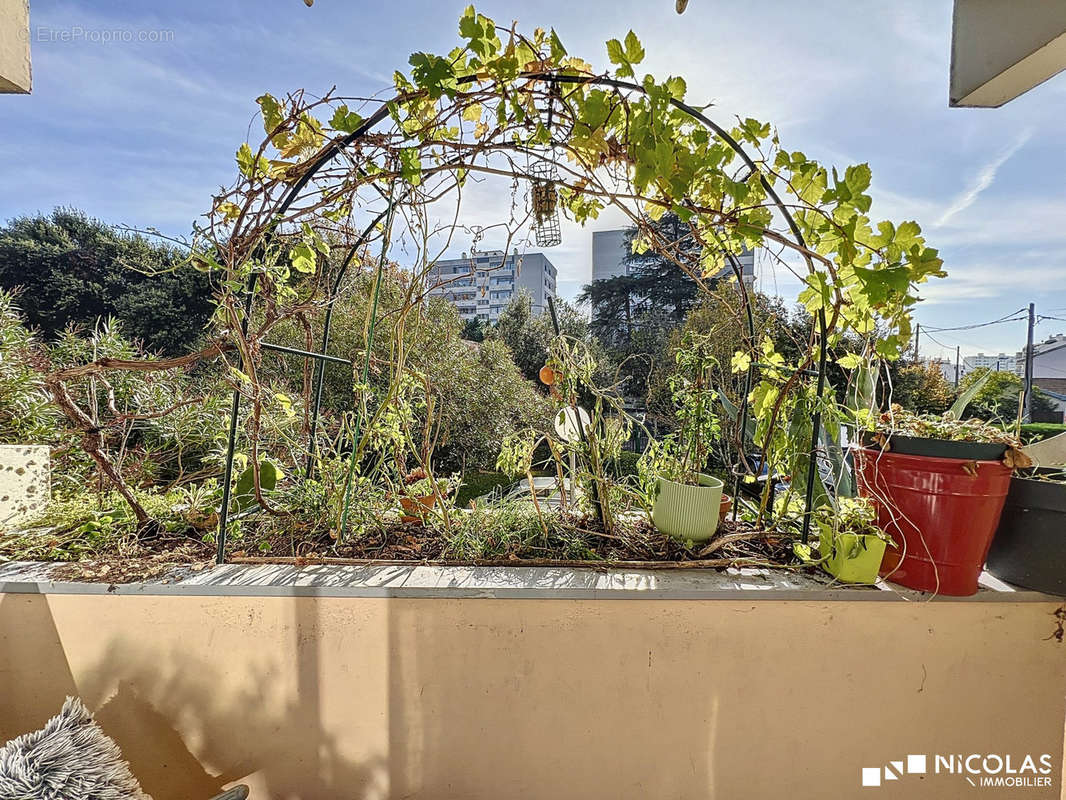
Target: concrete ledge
point(547, 583)
point(436, 696)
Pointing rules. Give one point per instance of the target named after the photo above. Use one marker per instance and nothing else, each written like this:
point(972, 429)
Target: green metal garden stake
point(342, 526)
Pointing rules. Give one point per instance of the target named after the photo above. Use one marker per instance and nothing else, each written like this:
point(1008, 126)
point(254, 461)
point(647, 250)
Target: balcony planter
point(940, 512)
point(850, 542)
point(1030, 545)
point(688, 512)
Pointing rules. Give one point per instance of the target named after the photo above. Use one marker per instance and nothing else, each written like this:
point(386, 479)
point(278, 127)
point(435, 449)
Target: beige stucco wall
point(14, 46)
point(428, 698)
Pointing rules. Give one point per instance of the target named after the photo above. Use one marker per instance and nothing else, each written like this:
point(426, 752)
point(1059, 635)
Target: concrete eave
point(1002, 50)
point(15, 76)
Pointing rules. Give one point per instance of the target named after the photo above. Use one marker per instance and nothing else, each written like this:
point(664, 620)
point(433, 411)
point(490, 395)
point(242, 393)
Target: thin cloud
point(984, 178)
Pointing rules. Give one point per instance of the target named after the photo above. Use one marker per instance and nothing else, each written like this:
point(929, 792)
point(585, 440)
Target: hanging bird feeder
point(545, 201)
point(544, 194)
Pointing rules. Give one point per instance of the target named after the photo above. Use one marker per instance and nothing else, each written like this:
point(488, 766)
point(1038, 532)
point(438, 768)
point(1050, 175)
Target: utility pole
point(1027, 395)
point(957, 349)
point(917, 333)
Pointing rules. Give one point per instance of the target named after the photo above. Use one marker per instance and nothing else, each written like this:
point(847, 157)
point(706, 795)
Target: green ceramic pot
point(853, 557)
point(688, 512)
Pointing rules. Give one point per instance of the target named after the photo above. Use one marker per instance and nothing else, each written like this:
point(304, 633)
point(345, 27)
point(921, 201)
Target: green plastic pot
point(688, 512)
point(853, 557)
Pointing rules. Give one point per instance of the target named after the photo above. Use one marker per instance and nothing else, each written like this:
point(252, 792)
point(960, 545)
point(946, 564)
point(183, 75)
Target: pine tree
point(654, 290)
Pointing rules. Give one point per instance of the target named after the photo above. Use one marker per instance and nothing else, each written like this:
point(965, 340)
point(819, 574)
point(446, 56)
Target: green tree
point(74, 269)
point(617, 310)
point(654, 291)
point(658, 272)
point(26, 416)
point(529, 336)
point(479, 394)
point(920, 387)
point(720, 322)
point(474, 330)
point(997, 400)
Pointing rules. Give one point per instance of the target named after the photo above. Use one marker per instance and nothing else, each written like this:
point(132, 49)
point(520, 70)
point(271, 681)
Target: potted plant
point(421, 493)
point(685, 501)
point(851, 542)
point(1029, 548)
point(725, 505)
point(939, 484)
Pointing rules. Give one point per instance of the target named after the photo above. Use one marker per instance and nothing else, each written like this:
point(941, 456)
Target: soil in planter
point(136, 563)
point(573, 540)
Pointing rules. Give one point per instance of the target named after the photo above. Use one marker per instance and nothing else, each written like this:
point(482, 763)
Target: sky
point(142, 132)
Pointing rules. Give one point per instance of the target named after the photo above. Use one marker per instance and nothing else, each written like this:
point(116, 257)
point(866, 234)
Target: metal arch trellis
point(322, 357)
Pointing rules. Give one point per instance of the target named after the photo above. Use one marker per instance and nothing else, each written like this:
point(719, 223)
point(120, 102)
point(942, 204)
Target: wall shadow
point(34, 674)
point(161, 706)
point(244, 732)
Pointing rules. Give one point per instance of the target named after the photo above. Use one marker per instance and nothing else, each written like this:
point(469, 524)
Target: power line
point(1011, 317)
point(945, 346)
point(965, 342)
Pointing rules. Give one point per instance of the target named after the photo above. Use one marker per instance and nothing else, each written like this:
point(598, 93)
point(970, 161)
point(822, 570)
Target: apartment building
point(609, 253)
point(481, 284)
point(1000, 362)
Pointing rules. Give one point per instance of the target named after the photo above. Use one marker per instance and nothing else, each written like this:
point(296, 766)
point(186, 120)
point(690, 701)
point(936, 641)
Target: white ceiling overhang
point(1003, 48)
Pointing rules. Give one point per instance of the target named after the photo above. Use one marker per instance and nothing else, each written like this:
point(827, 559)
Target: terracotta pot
point(417, 507)
point(725, 507)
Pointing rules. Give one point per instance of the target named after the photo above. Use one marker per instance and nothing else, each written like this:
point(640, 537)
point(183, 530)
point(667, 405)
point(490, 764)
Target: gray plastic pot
point(1030, 545)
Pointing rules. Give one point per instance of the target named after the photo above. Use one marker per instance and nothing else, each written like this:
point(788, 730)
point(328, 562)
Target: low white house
point(1049, 363)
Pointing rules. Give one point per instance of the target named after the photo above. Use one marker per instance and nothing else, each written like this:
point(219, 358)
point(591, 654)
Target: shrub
point(479, 394)
point(922, 388)
point(529, 336)
point(79, 270)
point(999, 397)
point(26, 415)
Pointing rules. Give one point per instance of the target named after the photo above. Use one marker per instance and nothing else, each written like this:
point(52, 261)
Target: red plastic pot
point(941, 512)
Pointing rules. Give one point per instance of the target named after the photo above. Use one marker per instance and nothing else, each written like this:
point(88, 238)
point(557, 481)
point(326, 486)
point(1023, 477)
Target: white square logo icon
point(871, 776)
point(916, 764)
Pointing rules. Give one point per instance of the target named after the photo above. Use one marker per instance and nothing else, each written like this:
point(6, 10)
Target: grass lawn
point(1036, 431)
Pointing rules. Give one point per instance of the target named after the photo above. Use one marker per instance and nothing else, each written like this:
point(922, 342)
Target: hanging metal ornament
point(544, 194)
point(545, 201)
